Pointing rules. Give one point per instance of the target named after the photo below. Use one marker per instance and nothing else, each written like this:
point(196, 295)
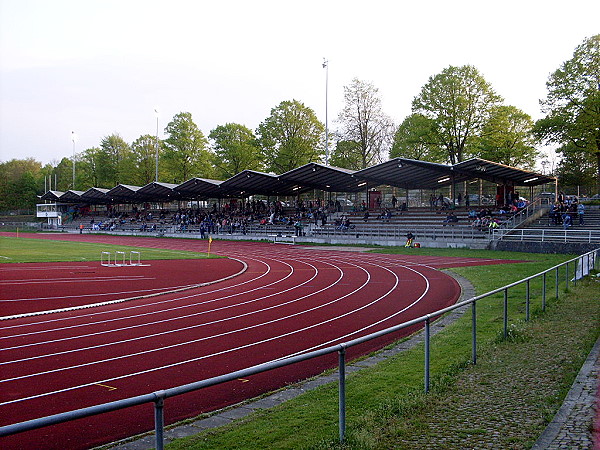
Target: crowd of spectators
point(565, 210)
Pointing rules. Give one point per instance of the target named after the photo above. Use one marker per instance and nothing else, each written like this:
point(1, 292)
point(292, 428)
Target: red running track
point(290, 300)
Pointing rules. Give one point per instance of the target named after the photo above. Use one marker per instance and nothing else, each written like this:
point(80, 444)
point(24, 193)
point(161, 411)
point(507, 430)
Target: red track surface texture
point(289, 300)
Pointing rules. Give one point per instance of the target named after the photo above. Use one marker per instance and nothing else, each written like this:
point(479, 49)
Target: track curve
point(289, 300)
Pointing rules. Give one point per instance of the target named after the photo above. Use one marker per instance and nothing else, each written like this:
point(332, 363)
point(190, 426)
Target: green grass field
point(17, 250)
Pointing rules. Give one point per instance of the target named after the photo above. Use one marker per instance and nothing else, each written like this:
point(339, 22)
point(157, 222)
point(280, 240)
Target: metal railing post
point(427, 352)
point(505, 313)
point(474, 332)
point(527, 297)
point(159, 421)
point(342, 393)
point(567, 276)
point(544, 292)
point(556, 283)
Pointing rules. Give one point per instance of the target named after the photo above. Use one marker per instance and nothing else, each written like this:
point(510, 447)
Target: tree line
point(456, 115)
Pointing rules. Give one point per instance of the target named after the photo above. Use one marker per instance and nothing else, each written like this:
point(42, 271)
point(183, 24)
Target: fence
point(577, 268)
point(548, 235)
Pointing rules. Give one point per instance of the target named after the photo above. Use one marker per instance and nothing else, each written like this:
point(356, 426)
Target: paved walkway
point(573, 424)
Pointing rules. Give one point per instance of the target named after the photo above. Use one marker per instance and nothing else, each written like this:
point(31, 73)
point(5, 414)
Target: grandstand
point(311, 202)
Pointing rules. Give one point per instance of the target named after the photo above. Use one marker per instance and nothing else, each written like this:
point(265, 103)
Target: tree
point(572, 105)
point(235, 150)
point(576, 168)
point(415, 138)
point(89, 167)
point(507, 138)
point(347, 154)
point(114, 161)
point(290, 137)
point(20, 183)
point(143, 154)
point(363, 121)
point(459, 102)
point(186, 154)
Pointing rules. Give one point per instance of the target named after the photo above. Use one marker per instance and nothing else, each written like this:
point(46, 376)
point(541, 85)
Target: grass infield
point(16, 250)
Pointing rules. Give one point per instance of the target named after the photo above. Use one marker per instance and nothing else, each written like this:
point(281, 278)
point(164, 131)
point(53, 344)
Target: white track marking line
point(126, 308)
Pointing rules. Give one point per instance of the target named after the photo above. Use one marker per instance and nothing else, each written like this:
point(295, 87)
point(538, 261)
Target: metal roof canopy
point(52, 195)
point(158, 192)
point(500, 173)
point(71, 196)
point(249, 182)
point(326, 178)
point(96, 195)
point(200, 188)
point(124, 193)
point(412, 174)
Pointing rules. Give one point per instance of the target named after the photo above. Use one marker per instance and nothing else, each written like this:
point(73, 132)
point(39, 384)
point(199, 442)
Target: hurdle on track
point(120, 259)
point(134, 258)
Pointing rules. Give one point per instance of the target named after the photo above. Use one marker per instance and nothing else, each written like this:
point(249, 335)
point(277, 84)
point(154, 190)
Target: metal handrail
point(584, 264)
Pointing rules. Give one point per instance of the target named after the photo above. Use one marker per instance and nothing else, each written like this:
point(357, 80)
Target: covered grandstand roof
point(199, 188)
point(500, 173)
point(249, 182)
point(159, 192)
point(398, 172)
point(411, 174)
point(71, 196)
point(327, 178)
point(124, 193)
point(52, 196)
point(96, 195)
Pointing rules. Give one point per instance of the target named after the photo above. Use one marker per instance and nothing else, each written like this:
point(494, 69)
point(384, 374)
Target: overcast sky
point(98, 67)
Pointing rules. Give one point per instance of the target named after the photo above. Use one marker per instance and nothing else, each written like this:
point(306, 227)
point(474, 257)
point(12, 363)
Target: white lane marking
point(154, 369)
point(79, 280)
point(125, 308)
point(166, 320)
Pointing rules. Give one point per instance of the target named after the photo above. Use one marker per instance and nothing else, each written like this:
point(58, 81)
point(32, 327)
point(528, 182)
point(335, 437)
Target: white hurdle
point(108, 257)
point(134, 258)
point(120, 259)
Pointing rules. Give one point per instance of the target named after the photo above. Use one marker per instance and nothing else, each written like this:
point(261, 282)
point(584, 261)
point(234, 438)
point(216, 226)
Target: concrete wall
point(542, 247)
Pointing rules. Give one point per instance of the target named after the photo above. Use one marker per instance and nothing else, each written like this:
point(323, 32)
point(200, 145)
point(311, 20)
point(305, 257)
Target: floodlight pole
point(73, 140)
point(326, 67)
point(156, 144)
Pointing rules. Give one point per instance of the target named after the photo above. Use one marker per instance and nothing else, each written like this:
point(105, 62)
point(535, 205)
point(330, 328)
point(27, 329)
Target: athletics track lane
point(289, 300)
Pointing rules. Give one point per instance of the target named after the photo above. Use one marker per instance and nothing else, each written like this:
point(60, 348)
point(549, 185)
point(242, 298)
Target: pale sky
point(98, 67)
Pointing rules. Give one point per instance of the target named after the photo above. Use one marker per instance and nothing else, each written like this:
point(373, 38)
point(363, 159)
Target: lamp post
point(326, 67)
point(156, 144)
point(73, 140)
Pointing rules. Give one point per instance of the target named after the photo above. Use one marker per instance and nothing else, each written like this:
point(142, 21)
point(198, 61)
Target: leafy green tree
point(186, 153)
point(21, 180)
point(576, 168)
point(143, 154)
point(235, 149)
point(415, 138)
point(507, 138)
point(347, 154)
point(290, 137)
point(115, 164)
point(459, 102)
point(89, 169)
point(572, 105)
point(64, 175)
point(363, 121)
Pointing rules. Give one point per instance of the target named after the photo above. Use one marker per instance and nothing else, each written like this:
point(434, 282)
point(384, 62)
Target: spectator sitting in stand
point(450, 219)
